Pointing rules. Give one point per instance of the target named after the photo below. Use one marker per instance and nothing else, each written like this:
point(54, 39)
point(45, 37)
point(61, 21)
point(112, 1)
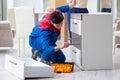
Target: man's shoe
point(34, 54)
point(45, 61)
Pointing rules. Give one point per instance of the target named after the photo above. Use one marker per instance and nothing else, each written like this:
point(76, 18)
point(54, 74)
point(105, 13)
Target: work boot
point(45, 61)
point(34, 54)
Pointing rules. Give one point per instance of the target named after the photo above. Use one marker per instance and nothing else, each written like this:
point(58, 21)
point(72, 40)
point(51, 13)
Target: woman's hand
point(72, 4)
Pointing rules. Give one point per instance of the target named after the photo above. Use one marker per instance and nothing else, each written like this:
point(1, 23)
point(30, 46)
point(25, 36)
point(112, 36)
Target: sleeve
point(47, 48)
point(64, 8)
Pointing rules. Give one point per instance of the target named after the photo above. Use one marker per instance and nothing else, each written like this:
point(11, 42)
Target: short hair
point(56, 17)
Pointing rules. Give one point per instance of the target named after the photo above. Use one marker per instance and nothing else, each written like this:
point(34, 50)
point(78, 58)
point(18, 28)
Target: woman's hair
point(56, 17)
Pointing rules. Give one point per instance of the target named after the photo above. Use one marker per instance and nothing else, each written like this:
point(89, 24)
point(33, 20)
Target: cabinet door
point(97, 41)
point(76, 56)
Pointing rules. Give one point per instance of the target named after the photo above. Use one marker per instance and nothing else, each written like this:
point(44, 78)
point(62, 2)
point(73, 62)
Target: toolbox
point(66, 67)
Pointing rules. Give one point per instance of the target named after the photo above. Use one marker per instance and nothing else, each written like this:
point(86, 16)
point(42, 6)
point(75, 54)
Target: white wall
point(46, 4)
point(37, 4)
point(10, 3)
point(92, 6)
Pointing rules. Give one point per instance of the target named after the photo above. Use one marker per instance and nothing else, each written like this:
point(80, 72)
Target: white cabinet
point(27, 68)
point(92, 37)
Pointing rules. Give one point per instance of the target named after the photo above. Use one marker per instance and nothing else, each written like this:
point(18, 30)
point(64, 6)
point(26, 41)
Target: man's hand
point(65, 45)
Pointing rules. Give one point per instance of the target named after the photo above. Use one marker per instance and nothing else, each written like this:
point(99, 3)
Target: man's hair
point(56, 17)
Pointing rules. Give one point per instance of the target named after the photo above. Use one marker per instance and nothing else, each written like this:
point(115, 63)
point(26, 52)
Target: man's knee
point(63, 59)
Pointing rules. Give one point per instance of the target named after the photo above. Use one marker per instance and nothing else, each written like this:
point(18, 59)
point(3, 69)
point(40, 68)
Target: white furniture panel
point(95, 40)
point(27, 68)
point(24, 17)
point(76, 56)
point(77, 26)
point(24, 23)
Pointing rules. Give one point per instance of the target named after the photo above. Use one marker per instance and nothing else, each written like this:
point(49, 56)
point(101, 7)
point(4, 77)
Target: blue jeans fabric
point(58, 56)
point(74, 10)
point(106, 10)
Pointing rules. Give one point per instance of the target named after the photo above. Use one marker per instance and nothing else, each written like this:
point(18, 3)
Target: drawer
point(73, 53)
point(76, 26)
point(27, 68)
point(76, 56)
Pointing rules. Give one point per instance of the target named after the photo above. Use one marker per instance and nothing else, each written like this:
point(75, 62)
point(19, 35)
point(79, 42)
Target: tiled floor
point(77, 74)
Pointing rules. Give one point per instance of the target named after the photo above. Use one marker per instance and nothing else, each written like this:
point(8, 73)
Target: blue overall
point(44, 40)
point(74, 10)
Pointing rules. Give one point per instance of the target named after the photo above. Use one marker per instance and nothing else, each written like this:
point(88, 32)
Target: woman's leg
point(106, 10)
point(74, 10)
point(68, 21)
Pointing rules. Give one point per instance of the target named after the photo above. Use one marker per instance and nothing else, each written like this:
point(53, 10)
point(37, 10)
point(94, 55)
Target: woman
point(80, 7)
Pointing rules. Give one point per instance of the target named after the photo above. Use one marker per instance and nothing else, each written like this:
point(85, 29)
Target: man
point(44, 36)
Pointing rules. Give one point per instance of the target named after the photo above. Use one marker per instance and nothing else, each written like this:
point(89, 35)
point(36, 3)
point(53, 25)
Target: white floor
point(77, 74)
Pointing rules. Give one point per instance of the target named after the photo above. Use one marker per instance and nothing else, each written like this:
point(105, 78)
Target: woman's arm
point(72, 4)
point(66, 8)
